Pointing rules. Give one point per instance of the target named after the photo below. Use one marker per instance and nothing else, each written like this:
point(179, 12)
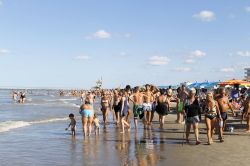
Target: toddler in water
point(72, 124)
point(96, 124)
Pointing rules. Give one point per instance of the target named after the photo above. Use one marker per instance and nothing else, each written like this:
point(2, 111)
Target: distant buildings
point(247, 72)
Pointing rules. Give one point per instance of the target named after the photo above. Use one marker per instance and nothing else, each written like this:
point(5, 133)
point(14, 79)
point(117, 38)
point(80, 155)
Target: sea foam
point(11, 125)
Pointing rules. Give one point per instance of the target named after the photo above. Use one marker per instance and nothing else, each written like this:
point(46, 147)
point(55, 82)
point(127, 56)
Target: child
point(72, 124)
point(96, 123)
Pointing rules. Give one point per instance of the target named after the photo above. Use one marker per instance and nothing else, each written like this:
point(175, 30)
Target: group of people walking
point(141, 104)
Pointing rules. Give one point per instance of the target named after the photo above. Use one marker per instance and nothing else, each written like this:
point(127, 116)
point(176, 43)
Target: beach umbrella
point(235, 82)
point(211, 85)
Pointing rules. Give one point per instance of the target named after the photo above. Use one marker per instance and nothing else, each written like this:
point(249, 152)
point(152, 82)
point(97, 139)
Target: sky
point(73, 43)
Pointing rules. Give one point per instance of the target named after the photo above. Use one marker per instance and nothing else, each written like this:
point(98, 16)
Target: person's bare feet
point(197, 142)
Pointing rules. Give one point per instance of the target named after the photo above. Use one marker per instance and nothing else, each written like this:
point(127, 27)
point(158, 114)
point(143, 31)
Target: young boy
point(96, 123)
point(72, 124)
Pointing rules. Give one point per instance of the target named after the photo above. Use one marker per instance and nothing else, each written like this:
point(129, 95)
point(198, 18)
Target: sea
point(33, 134)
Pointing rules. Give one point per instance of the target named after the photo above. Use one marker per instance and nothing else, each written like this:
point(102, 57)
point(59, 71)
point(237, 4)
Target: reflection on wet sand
point(137, 151)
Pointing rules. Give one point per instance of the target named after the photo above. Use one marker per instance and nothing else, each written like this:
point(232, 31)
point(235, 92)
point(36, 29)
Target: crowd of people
point(190, 105)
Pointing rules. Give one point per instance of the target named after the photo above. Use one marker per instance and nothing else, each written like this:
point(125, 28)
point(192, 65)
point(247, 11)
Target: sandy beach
point(33, 134)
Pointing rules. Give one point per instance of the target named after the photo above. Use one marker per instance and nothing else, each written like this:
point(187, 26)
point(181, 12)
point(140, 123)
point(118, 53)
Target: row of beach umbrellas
point(228, 83)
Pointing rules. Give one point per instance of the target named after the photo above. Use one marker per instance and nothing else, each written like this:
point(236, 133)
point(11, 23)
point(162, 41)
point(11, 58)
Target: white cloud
point(100, 34)
point(227, 70)
point(190, 61)
point(243, 53)
point(247, 9)
point(182, 69)
point(205, 16)
point(197, 54)
point(232, 16)
point(83, 57)
point(4, 51)
point(127, 35)
point(123, 54)
point(158, 60)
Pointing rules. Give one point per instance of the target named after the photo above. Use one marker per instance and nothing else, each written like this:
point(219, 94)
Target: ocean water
point(34, 133)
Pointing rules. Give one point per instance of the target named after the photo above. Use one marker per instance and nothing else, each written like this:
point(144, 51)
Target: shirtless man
point(224, 106)
point(182, 96)
point(137, 99)
point(147, 106)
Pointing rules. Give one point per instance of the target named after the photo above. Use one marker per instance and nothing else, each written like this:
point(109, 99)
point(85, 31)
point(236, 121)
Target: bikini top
point(213, 110)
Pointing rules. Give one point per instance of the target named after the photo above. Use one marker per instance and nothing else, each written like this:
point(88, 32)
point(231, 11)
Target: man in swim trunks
point(224, 106)
point(147, 106)
point(137, 99)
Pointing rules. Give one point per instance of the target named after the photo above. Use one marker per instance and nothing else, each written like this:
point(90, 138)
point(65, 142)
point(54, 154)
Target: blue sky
point(72, 43)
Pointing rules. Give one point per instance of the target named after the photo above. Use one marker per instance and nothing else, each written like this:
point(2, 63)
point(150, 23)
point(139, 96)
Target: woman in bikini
point(212, 112)
point(105, 106)
point(87, 112)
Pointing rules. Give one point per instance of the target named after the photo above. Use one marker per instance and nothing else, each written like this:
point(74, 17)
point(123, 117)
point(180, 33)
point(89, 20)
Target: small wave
point(29, 99)
point(10, 125)
point(49, 120)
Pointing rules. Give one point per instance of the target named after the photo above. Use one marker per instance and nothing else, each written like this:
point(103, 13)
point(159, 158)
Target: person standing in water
point(105, 106)
point(162, 107)
point(147, 106)
point(137, 99)
point(72, 124)
point(124, 111)
point(14, 96)
point(117, 105)
point(22, 97)
point(87, 112)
